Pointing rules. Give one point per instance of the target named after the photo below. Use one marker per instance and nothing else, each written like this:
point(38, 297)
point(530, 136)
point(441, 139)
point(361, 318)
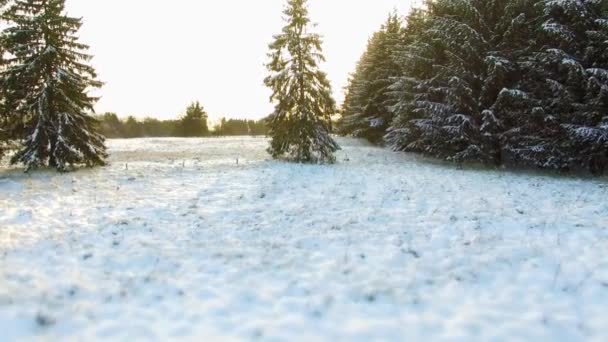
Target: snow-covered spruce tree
point(46, 83)
point(300, 126)
point(561, 113)
point(453, 69)
point(365, 112)
point(517, 82)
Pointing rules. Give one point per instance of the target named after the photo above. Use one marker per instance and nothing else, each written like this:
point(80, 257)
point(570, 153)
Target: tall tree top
point(41, 35)
point(296, 14)
point(196, 111)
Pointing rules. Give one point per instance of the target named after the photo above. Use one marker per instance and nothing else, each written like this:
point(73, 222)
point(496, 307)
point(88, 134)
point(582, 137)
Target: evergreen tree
point(516, 82)
point(301, 123)
point(194, 122)
point(451, 70)
point(110, 126)
point(565, 81)
point(45, 87)
point(132, 128)
point(366, 109)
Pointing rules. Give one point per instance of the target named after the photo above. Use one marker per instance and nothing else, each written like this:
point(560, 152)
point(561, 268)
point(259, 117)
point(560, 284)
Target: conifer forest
point(211, 171)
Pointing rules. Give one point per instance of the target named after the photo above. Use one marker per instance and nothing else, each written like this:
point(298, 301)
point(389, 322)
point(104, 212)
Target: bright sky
point(156, 56)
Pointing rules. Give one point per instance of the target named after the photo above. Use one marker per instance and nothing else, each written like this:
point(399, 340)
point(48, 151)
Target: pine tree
point(515, 82)
point(551, 114)
point(566, 81)
point(133, 128)
point(300, 126)
point(440, 109)
point(366, 109)
point(45, 86)
point(194, 123)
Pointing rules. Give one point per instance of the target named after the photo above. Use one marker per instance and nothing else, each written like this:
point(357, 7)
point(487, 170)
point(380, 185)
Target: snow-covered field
point(175, 240)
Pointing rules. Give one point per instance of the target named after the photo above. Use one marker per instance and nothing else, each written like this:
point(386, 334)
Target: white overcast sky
point(156, 56)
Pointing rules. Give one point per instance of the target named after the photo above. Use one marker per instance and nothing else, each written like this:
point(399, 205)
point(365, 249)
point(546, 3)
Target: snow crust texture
point(174, 240)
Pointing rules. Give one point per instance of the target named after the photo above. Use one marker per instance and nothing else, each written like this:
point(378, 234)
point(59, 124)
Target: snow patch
point(175, 240)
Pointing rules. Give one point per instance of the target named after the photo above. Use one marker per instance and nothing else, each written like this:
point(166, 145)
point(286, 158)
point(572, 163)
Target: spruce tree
point(366, 109)
point(463, 62)
point(440, 112)
point(515, 82)
point(552, 113)
point(46, 85)
point(566, 82)
point(300, 126)
point(194, 123)
point(133, 128)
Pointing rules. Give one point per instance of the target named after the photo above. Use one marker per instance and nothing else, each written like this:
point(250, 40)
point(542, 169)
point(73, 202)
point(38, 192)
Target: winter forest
point(502, 83)
point(514, 83)
point(457, 190)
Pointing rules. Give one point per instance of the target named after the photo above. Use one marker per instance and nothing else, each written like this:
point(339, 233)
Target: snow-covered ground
point(175, 240)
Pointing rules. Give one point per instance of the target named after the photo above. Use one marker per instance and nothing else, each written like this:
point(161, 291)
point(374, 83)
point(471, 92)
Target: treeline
point(235, 127)
point(192, 124)
point(114, 128)
point(520, 83)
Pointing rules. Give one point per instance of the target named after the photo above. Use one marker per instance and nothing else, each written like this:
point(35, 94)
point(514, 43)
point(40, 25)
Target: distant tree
point(257, 128)
point(45, 85)
point(366, 111)
point(133, 128)
point(157, 128)
point(194, 122)
point(301, 123)
point(219, 128)
point(110, 125)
